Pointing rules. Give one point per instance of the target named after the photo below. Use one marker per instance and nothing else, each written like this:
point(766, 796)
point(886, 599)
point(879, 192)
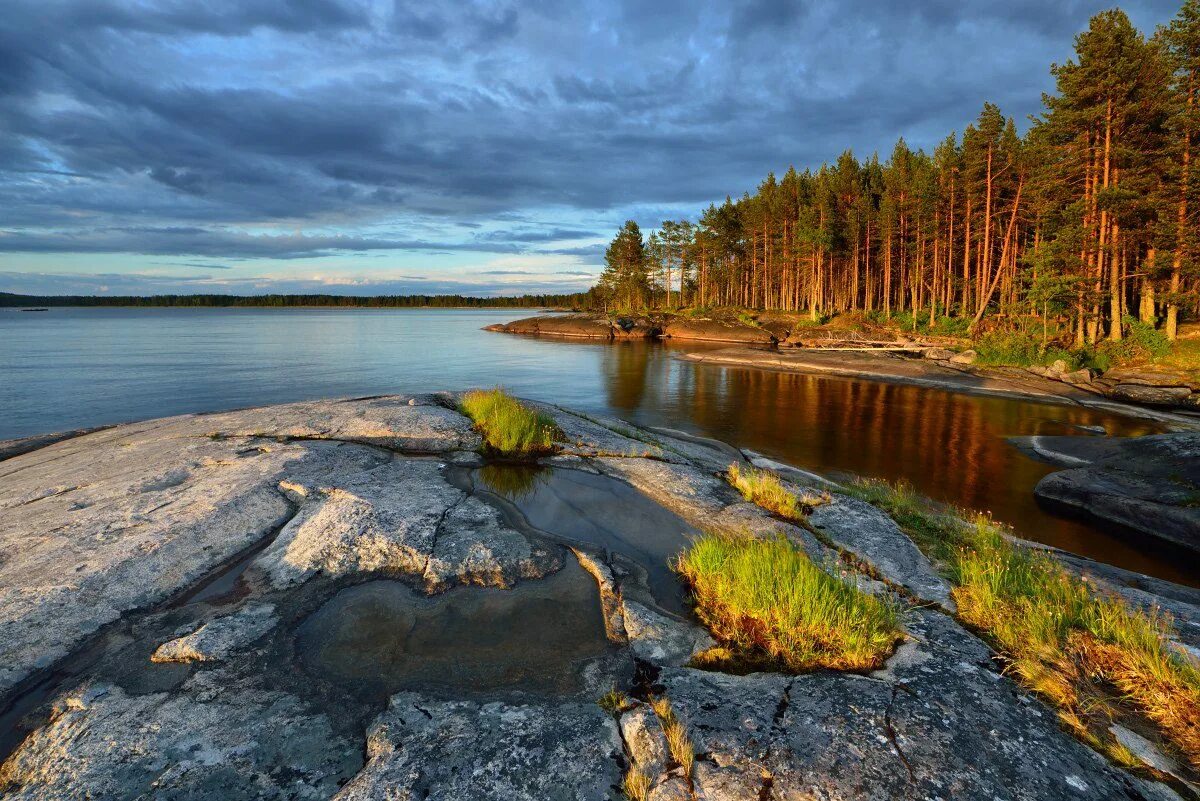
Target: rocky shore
point(772, 344)
point(598, 326)
point(345, 599)
point(1147, 484)
point(942, 373)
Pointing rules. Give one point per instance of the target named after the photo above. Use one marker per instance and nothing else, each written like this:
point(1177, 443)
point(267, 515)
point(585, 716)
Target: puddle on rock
point(604, 512)
point(379, 638)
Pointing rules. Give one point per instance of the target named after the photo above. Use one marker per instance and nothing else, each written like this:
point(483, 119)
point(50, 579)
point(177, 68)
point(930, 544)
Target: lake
point(73, 368)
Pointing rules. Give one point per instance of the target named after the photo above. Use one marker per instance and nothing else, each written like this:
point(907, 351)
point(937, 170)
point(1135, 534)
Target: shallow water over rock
point(599, 511)
point(379, 638)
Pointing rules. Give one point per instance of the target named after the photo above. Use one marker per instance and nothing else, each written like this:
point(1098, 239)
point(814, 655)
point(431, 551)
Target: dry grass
point(508, 426)
point(637, 784)
point(767, 598)
point(1094, 657)
point(678, 742)
point(1068, 643)
point(765, 489)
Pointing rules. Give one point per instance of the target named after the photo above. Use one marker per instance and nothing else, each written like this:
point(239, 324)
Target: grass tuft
point(765, 489)
point(637, 784)
point(1062, 639)
point(766, 597)
point(1095, 657)
point(614, 702)
point(678, 742)
point(509, 426)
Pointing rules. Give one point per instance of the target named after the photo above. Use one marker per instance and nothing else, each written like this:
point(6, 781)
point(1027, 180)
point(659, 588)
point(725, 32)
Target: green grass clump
point(507, 425)
point(766, 597)
point(1066, 642)
point(614, 702)
point(1092, 656)
point(765, 489)
point(678, 741)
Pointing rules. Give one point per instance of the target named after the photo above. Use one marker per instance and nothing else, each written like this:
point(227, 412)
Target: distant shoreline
point(346, 307)
point(531, 301)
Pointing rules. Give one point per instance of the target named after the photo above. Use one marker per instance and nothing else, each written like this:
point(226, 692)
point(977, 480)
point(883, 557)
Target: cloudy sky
point(366, 147)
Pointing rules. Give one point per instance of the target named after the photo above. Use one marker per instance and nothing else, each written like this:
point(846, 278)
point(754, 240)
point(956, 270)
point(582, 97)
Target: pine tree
point(1182, 41)
point(626, 272)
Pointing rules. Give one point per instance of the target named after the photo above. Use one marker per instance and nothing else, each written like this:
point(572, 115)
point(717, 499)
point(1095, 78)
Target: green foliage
point(507, 425)
point(768, 598)
point(765, 489)
point(1061, 638)
point(10, 300)
point(950, 327)
point(614, 702)
point(626, 276)
point(1008, 348)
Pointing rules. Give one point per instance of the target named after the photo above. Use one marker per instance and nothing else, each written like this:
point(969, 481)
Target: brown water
point(951, 447)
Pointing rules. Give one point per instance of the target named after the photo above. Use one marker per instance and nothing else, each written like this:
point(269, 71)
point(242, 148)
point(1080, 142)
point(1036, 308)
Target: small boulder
point(1152, 396)
point(1058, 367)
point(218, 638)
point(1083, 376)
point(966, 357)
point(644, 739)
point(939, 354)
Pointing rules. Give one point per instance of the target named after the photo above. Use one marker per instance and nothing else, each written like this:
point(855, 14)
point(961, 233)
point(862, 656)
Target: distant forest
point(1090, 218)
point(375, 302)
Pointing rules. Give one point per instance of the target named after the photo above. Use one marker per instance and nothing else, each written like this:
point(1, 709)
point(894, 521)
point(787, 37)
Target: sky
point(489, 148)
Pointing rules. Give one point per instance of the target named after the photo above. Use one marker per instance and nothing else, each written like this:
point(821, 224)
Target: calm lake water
point(73, 368)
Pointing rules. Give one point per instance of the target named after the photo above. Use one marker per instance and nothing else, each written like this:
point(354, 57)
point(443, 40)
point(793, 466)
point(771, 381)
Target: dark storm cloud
point(171, 127)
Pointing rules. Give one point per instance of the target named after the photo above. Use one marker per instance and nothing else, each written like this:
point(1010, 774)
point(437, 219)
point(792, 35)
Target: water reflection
point(513, 482)
point(381, 637)
point(71, 368)
point(605, 513)
point(951, 447)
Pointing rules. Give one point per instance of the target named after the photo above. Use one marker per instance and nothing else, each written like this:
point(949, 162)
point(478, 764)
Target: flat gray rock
point(123, 519)
point(456, 750)
point(939, 722)
point(1149, 484)
point(474, 546)
point(219, 638)
point(399, 422)
point(871, 535)
point(661, 639)
point(207, 742)
point(383, 519)
point(132, 525)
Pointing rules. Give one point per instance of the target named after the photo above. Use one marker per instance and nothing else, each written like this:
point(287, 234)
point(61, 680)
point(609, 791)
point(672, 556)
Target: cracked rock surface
point(940, 722)
point(445, 751)
point(158, 580)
